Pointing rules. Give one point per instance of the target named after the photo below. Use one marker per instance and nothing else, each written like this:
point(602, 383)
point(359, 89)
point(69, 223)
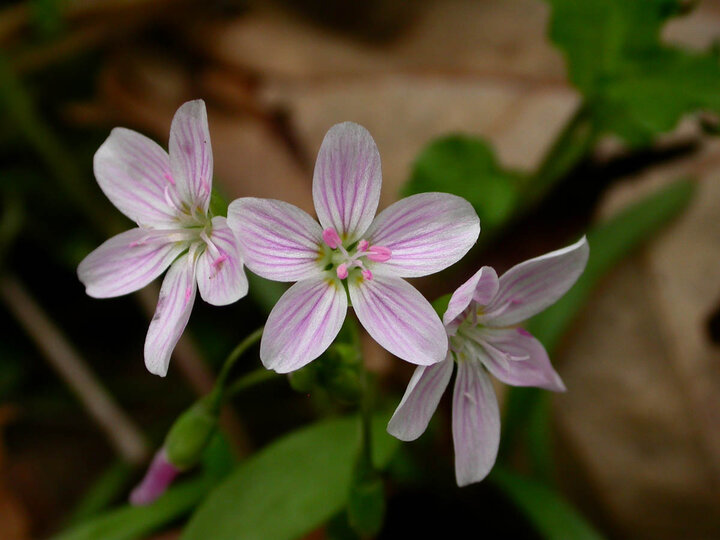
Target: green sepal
point(440, 305)
point(190, 434)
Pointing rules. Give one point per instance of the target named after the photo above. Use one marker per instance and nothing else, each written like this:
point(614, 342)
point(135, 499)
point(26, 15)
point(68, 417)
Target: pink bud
point(331, 238)
point(342, 271)
point(158, 478)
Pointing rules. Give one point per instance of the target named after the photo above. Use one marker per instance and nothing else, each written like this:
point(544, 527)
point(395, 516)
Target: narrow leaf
point(128, 523)
point(553, 517)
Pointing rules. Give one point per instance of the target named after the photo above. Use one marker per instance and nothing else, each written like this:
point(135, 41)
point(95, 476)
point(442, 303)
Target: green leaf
point(466, 166)
point(291, 487)
point(609, 243)
point(553, 517)
point(130, 522)
point(636, 86)
point(103, 492)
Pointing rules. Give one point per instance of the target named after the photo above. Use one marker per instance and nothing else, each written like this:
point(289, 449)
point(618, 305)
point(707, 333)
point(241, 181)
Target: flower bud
point(157, 479)
point(191, 433)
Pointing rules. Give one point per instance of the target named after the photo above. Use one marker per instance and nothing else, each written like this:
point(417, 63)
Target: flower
point(479, 321)
point(353, 248)
point(168, 197)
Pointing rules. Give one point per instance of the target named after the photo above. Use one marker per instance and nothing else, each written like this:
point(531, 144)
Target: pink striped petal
point(531, 286)
point(425, 233)
point(522, 360)
point(475, 423)
point(399, 318)
point(177, 296)
point(421, 398)
point(303, 323)
point(127, 262)
point(347, 179)
point(191, 157)
point(278, 241)
point(156, 481)
point(220, 274)
point(481, 288)
point(134, 172)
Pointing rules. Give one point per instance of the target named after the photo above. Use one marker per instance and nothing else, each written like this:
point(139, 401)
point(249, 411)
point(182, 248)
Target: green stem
point(236, 353)
point(19, 109)
point(570, 146)
point(366, 417)
point(249, 380)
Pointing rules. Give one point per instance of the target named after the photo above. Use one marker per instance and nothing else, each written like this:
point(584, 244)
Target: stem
point(570, 146)
point(123, 434)
point(366, 419)
point(249, 380)
point(236, 353)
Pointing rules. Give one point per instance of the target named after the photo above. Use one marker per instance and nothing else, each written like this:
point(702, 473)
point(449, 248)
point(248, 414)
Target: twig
point(119, 428)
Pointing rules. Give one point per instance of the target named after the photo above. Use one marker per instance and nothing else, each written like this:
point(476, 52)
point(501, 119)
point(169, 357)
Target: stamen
point(331, 238)
point(342, 271)
point(172, 203)
point(363, 245)
point(379, 254)
point(217, 262)
point(367, 274)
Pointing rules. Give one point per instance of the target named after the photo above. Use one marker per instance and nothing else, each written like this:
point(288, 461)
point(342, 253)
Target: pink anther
point(342, 271)
point(363, 245)
point(379, 254)
point(221, 259)
point(331, 238)
point(367, 274)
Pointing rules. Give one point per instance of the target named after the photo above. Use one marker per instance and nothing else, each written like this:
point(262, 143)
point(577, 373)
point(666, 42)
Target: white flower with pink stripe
point(352, 251)
point(479, 321)
point(168, 196)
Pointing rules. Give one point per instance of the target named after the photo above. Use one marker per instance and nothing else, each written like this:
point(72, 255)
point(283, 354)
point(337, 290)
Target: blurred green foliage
point(548, 511)
point(466, 166)
point(636, 86)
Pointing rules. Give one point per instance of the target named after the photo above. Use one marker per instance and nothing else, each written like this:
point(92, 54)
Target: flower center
point(356, 255)
point(187, 215)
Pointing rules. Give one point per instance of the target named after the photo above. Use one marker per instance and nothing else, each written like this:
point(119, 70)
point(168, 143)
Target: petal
point(127, 262)
point(425, 233)
point(531, 286)
point(156, 481)
point(482, 287)
point(399, 318)
point(278, 241)
point(191, 157)
point(303, 323)
point(220, 274)
point(347, 179)
point(177, 296)
point(134, 172)
point(532, 369)
point(421, 398)
point(475, 423)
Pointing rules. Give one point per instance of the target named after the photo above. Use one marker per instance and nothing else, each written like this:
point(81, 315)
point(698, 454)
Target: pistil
point(346, 261)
